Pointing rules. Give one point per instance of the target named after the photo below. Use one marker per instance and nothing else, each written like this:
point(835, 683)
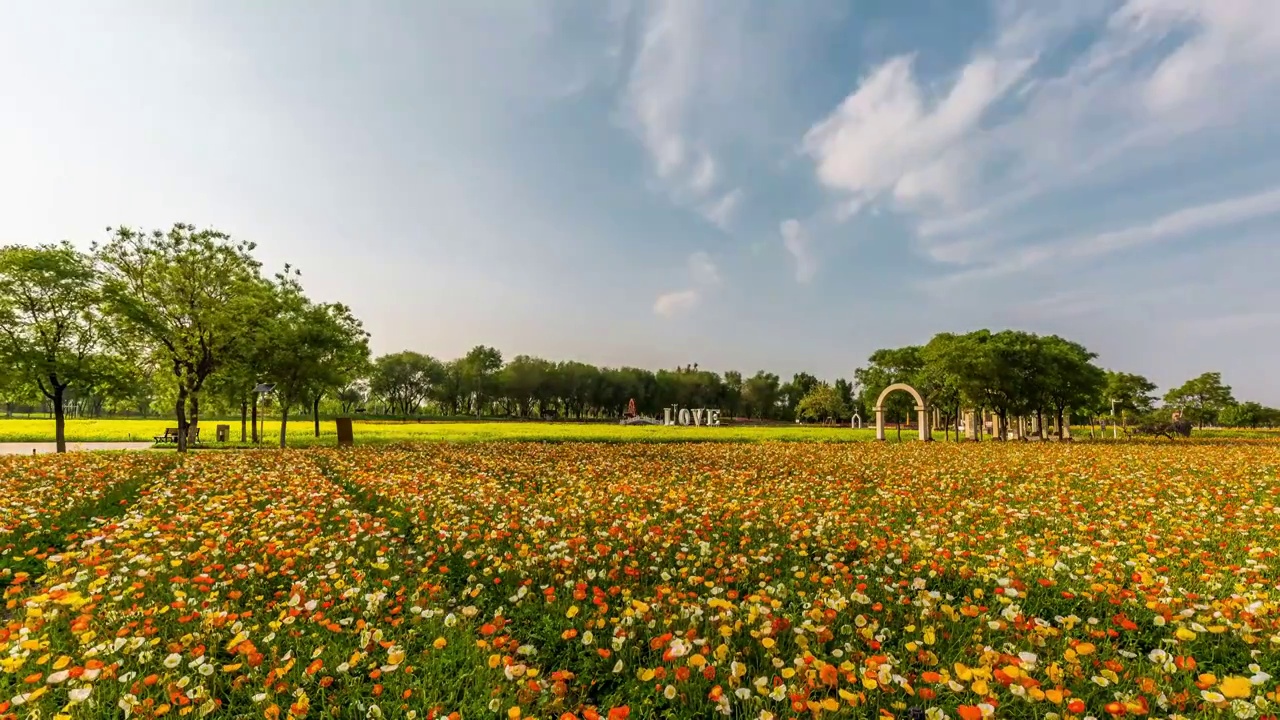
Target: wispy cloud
point(703, 271)
point(667, 74)
point(721, 211)
point(704, 88)
point(982, 163)
point(703, 276)
point(675, 303)
point(796, 241)
point(1180, 223)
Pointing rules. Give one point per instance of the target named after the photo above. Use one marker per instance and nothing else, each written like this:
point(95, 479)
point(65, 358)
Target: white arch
point(922, 410)
point(856, 422)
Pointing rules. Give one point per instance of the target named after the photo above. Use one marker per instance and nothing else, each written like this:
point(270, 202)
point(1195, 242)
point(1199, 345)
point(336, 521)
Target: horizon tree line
point(186, 322)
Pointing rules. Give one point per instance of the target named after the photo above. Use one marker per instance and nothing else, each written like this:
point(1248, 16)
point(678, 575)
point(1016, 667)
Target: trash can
point(224, 433)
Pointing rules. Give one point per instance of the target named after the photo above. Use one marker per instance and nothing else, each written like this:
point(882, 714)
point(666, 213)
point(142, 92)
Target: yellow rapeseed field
point(301, 432)
point(694, 580)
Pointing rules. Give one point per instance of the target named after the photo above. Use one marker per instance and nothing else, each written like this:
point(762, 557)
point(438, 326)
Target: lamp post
point(1114, 432)
point(262, 389)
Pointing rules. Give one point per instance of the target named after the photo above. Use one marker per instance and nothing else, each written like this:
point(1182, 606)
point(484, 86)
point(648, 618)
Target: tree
point(353, 395)
point(1132, 394)
point(1201, 398)
point(481, 368)
point(760, 395)
point(844, 389)
point(50, 321)
point(957, 366)
point(802, 383)
point(521, 380)
point(886, 367)
point(821, 403)
point(1070, 377)
point(733, 393)
point(190, 296)
point(1245, 414)
point(314, 348)
point(404, 379)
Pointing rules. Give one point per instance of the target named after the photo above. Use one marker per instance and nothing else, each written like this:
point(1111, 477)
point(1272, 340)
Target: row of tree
point(1020, 374)
point(1009, 373)
point(187, 320)
point(185, 315)
point(408, 383)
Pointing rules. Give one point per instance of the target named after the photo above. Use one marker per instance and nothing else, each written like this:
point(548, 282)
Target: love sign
point(690, 416)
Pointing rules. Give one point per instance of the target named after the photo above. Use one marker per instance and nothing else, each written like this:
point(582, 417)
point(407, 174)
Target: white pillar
point(923, 414)
point(879, 423)
point(970, 425)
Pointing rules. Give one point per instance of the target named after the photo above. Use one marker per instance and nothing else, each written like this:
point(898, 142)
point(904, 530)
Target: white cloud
point(1179, 223)
point(704, 276)
point(983, 166)
point(721, 211)
point(703, 270)
point(888, 136)
point(796, 240)
point(703, 90)
point(674, 303)
point(661, 93)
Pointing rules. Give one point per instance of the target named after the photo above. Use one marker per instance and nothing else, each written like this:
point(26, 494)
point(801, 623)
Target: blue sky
point(744, 184)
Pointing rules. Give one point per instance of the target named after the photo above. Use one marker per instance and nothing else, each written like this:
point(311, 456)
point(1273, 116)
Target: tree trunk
point(315, 413)
point(195, 414)
point(59, 418)
point(1060, 414)
point(255, 418)
point(1040, 422)
point(284, 422)
point(244, 414)
point(181, 410)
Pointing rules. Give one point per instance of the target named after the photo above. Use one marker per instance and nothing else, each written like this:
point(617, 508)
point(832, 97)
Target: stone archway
point(922, 410)
point(856, 422)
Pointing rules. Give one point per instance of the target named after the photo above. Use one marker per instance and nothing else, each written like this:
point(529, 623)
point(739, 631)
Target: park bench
point(171, 436)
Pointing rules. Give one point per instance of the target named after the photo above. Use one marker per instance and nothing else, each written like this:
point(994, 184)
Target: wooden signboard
point(345, 436)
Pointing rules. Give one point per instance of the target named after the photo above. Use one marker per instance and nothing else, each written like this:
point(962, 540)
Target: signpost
point(262, 389)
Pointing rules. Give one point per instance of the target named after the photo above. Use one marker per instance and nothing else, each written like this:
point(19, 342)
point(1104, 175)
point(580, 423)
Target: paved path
point(48, 447)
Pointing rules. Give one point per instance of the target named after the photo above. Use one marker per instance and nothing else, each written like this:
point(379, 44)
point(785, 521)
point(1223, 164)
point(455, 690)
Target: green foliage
point(1133, 394)
point(313, 347)
point(1201, 398)
point(50, 322)
point(1012, 373)
point(1248, 415)
point(821, 403)
point(760, 395)
point(190, 298)
point(405, 379)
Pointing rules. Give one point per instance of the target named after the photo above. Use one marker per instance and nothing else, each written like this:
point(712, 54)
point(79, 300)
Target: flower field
point(576, 580)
